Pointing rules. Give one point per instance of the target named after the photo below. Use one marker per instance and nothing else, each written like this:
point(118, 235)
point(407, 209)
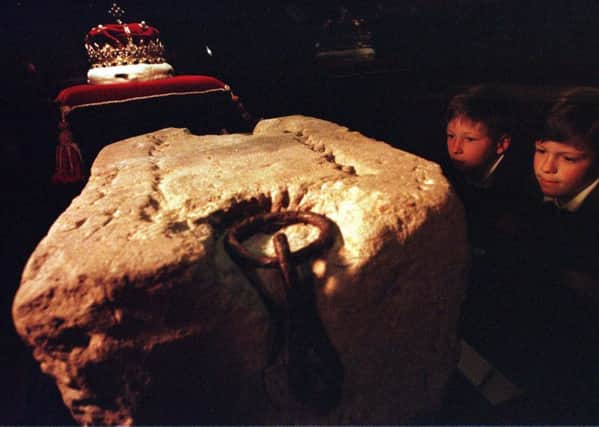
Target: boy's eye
point(571, 159)
point(471, 139)
point(450, 135)
point(540, 150)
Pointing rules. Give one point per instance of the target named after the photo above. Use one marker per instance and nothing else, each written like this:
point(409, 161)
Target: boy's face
point(469, 145)
point(563, 169)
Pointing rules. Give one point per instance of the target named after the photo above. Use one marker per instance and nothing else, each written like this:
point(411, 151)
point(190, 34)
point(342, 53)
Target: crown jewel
point(123, 44)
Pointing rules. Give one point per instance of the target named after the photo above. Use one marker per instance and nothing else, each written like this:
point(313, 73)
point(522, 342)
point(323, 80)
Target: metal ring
point(271, 222)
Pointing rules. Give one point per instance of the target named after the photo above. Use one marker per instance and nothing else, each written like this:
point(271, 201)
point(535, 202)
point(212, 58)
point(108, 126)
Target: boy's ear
point(503, 143)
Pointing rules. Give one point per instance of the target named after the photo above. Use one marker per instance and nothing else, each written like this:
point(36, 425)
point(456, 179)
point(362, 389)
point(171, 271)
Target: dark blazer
point(558, 309)
point(569, 241)
point(492, 215)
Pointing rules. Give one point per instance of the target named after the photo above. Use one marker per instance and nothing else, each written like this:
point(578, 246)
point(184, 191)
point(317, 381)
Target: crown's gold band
point(151, 52)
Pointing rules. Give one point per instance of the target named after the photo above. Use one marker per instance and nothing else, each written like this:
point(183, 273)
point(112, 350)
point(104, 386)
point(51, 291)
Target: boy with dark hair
point(558, 306)
point(566, 166)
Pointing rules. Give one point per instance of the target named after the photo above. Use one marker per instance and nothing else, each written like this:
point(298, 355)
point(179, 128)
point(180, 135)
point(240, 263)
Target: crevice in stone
point(109, 213)
point(176, 227)
point(298, 197)
point(152, 206)
point(348, 169)
point(157, 143)
point(329, 156)
point(149, 209)
point(99, 196)
point(279, 200)
point(66, 340)
point(237, 211)
point(105, 180)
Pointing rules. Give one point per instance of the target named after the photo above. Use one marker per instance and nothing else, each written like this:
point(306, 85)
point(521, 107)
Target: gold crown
point(124, 44)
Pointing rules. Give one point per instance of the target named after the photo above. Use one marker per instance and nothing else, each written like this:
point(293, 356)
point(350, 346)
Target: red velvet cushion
point(202, 104)
point(84, 95)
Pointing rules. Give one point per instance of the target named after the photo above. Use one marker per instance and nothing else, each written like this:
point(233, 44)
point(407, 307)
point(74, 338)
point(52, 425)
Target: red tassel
point(68, 158)
point(245, 115)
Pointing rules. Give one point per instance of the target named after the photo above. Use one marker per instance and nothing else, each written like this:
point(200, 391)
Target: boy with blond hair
point(486, 171)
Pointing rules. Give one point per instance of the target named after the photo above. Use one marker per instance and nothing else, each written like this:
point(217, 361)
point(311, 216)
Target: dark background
point(266, 51)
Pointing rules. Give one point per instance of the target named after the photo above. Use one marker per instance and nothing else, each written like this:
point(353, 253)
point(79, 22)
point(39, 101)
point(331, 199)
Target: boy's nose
point(549, 164)
point(456, 146)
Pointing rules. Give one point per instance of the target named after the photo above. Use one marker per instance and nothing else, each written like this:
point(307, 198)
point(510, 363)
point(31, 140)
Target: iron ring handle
point(274, 221)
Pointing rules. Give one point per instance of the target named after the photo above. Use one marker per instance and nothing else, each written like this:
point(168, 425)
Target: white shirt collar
point(485, 180)
point(575, 202)
point(492, 169)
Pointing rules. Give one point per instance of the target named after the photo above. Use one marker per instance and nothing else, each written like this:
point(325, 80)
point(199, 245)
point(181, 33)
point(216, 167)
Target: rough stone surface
point(131, 303)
